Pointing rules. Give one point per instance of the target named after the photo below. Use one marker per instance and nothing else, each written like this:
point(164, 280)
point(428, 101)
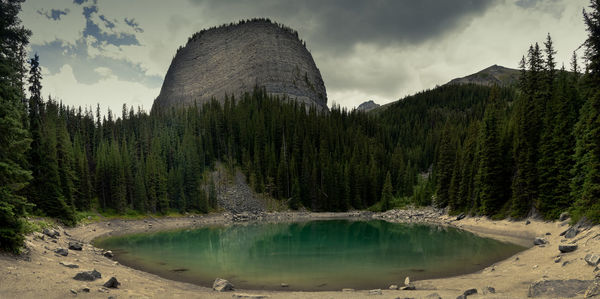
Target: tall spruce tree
point(490, 173)
point(586, 184)
point(14, 141)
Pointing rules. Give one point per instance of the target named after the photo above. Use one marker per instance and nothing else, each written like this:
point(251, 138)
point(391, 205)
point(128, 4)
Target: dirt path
point(40, 274)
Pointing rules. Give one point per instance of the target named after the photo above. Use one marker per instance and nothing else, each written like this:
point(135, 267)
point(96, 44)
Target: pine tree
point(387, 193)
point(14, 141)
point(586, 184)
point(445, 166)
point(490, 173)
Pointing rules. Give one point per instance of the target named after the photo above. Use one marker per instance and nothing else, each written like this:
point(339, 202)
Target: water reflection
point(330, 254)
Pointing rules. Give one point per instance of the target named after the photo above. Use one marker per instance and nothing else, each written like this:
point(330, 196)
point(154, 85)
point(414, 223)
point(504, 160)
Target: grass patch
point(36, 225)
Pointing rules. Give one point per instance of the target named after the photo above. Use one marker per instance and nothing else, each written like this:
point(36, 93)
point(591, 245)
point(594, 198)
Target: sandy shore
point(39, 274)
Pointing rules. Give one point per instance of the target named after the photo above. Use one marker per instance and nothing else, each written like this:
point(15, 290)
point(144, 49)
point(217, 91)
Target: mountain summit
point(234, 59)
point(494, 74)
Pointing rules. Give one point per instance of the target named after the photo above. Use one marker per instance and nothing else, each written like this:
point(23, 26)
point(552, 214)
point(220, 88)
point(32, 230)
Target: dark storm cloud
point(340, 24)
point(53, 14)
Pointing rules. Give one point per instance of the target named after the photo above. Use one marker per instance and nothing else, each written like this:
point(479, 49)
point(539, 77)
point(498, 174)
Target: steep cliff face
point(235, 58)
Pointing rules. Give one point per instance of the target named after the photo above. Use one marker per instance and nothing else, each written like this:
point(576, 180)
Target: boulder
point(540, 241)
point(347, 290)
point(375, 292)
point(407, 281)
point(433, 296)
point(285, 285)
point(557, 288)
point(461, 217)
point(470, 292)
point(592, 259)
point(563, 216)
point(88, 275)
point(108, 254)
point(222, 285)
point(571, 232)
point(393, 287)
point(69, 265)
point(488, 290)
point(593, 290)
point(112, 283)
point(248, 296)
point(567, 248)
point(51, 233)
point(62, 251)
point(75, 246)
point(410, 287)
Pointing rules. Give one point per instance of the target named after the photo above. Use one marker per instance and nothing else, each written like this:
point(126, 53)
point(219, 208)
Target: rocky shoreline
point(62, 263)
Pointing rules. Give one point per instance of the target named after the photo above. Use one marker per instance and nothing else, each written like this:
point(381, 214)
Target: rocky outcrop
point(367, 106)
point(222, 285)
point(88, 275)
point(558, 288)
point(234, 59)
point(493, 75)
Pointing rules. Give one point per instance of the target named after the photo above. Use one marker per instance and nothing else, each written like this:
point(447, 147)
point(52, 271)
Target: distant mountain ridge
point(493, 75)
point(367, 106)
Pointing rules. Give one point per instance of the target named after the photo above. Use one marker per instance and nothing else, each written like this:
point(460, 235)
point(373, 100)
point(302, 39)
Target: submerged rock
point(222, 285)
point(88, 275)
point(567, 248)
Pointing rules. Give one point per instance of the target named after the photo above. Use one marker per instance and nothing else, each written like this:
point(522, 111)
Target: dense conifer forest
point(511, 151)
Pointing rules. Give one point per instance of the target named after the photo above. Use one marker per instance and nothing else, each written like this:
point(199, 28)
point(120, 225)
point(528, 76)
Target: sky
point(117, 52)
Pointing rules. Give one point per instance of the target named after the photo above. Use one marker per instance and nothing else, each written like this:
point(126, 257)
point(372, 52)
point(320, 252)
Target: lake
point(313, 255)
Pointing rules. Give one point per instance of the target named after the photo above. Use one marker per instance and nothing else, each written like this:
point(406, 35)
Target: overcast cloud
point(116, 52)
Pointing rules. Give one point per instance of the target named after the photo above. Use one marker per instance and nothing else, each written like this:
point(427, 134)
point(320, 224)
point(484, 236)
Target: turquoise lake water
point(314, 255)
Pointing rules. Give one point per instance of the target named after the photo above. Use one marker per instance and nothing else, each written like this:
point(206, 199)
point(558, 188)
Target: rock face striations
point(234, 59)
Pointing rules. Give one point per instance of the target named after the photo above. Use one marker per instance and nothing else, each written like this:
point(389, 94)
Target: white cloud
point(68, 28)
point(109, 91)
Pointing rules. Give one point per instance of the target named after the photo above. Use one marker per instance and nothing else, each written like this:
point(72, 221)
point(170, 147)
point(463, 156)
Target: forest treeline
point(511, 151)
